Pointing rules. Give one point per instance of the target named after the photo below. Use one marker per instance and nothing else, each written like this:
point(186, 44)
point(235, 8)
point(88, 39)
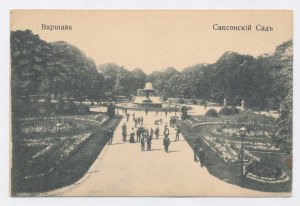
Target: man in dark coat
point(156, 132)
point(166, 143)
point(151, 133)
point(110, 136)
point(149, 142)
point(127, 117)
point(173, 121)
point(138, 134)
point(124, 132)
point(201, 156)
point(142, 144)
point(166, 131)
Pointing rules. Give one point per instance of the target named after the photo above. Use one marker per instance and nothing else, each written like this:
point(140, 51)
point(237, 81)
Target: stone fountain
point(143, 97)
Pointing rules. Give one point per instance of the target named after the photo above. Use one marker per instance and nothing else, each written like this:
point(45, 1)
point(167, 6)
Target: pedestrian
point(142, 144)
point(110, 136)
point(166, 131)
point(126, 111)
point(124, 132)
point(142, 120)
point(205, 104)
point(157, 112)
point(146, 111)
point(135, 122)
point(195, 150)
point(177, 133)
point(139, 133)
point(127, 116)
point(173, 121)
point(201, 156)
point(133, 117)
point(166, 113)
point(149, 143)
point(166, 143)
point(131, 139)
point(151, 133)
point(156, 132)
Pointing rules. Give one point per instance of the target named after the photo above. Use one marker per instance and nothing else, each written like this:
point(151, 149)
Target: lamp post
point(59, 126)
point(242, 137)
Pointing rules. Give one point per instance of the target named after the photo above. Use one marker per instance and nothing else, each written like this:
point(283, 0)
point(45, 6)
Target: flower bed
point(68, 145)
point(264, 173)
point(232, 132)
point(229, 150)
point(223, 150)
point(71, 148)
point(42, 152)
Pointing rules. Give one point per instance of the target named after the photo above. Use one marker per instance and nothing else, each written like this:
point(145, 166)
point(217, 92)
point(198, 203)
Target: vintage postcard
point(176, 103)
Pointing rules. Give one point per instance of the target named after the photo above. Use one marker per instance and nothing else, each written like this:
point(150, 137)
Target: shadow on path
point(155, 149)
point(174, 151)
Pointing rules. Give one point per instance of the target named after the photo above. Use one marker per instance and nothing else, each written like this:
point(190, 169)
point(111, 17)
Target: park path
point(123, 170)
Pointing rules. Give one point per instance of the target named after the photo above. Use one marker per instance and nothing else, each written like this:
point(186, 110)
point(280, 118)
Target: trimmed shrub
point(229, 111)
point(70, 108)
point(194, 101)
point(180, 101)
point(111, 110)
point(59, 107)
point(234, 110)
point(212, 113)
point(225, 111)
point(83, 109)
point(184, 114)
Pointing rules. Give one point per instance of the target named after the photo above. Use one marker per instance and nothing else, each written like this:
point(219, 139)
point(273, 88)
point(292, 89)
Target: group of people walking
point(139, 133)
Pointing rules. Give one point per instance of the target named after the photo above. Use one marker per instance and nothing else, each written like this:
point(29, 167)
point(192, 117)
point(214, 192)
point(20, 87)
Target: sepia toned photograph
point(151, 103)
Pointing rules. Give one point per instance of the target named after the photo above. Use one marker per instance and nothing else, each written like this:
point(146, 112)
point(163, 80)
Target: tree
point(41, 68)
point(111, 110)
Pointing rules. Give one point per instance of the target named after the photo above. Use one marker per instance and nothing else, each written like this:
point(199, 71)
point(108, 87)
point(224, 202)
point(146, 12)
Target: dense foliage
point(212, 113)
point(111, 110)
point(228, 111)
point(120, 81)
point(265, 82)
point(41, 68)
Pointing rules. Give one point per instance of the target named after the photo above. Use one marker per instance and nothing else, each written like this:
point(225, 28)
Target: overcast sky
point(154, 40)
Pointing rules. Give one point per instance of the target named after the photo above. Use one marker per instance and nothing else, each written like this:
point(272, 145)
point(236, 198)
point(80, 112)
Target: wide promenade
point(123, 170)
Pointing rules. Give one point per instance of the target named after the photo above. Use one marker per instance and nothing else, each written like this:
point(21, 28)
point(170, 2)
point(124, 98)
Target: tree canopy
point(39, 67)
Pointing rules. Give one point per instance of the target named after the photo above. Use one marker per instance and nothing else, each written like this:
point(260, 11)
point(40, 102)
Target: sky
point(156, 39)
